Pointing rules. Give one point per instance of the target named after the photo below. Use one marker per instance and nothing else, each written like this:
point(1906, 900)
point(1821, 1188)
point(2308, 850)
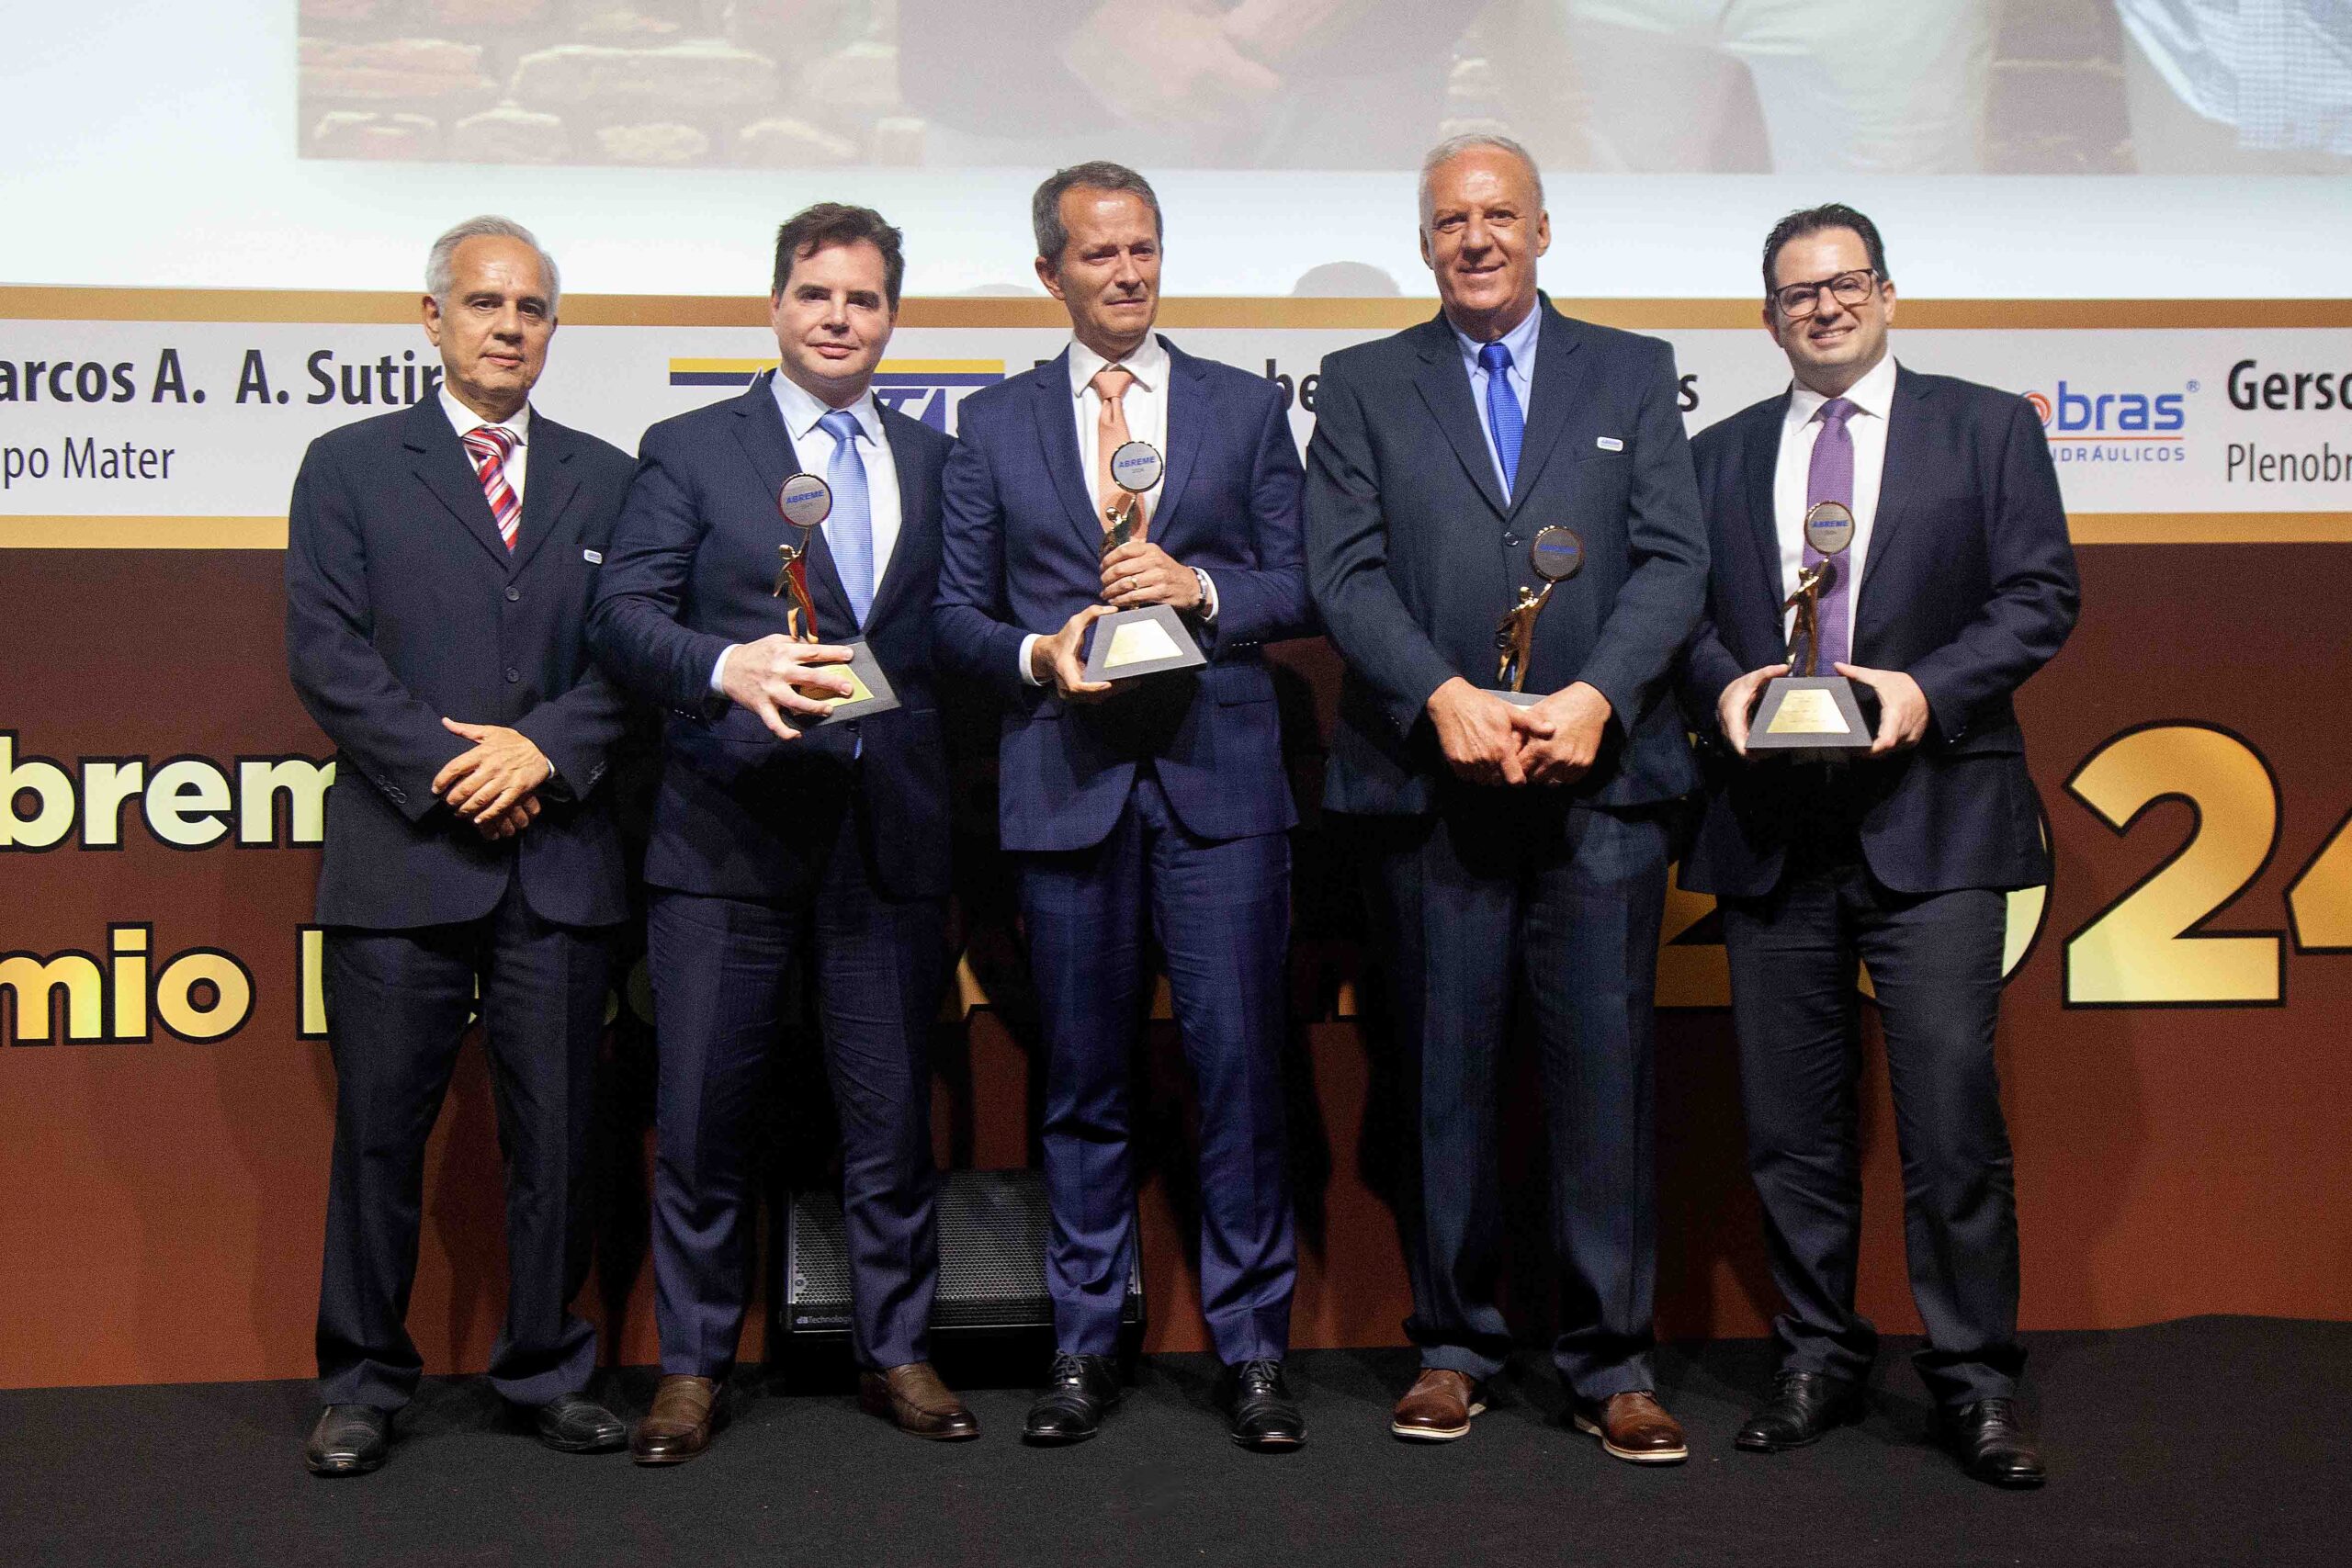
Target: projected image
point(1724, 86)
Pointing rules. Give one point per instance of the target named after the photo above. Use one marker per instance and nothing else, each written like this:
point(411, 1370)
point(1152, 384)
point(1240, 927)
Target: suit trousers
point(1934, 965)
point(1220, 911)
point(720, 981)
point(1492, 886)
point(399, 1004)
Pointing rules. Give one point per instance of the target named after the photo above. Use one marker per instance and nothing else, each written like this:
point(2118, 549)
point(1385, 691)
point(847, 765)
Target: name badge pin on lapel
point(594, 557)
point(1609, 444)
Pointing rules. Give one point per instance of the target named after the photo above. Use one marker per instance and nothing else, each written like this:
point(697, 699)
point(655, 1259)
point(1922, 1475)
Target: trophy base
point(1518, 699)
point(1147, 641)
point(872, 693)
point(1814, 718)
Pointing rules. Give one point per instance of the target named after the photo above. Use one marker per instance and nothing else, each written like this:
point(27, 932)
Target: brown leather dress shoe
point(1634, 1426)
point(1437, 1408)
point(911, 1398)
point(678, 1426)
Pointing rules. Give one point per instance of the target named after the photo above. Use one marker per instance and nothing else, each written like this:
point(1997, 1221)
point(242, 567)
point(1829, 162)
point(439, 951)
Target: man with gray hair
point(1504, 540)
point(440, 560)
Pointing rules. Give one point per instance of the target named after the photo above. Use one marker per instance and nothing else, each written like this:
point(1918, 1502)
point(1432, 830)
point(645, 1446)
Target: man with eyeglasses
point(1957, 583)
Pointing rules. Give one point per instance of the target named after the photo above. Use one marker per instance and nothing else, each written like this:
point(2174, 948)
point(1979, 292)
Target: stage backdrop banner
point(2171, 1047)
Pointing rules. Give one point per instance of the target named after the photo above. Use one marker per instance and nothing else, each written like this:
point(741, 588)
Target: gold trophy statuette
point(1555, 555)
point(805, 500)
point(1150, 638)
point(1804, 711)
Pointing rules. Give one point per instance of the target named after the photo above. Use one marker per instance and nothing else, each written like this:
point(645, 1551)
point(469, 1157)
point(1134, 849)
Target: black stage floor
point(2214, 1440)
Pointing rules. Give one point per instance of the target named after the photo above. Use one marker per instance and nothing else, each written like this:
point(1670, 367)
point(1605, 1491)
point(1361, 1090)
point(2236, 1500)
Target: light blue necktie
point(850, 529)
point(1504, 421)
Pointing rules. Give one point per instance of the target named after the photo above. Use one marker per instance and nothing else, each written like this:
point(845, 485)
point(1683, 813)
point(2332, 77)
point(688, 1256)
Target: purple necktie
point(1831, 478)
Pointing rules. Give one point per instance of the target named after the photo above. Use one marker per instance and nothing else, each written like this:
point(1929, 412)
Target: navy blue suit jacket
point(1024, 554)
point(740, 814)
point(1415, 555)
point(404, 607)
point(1969, 587)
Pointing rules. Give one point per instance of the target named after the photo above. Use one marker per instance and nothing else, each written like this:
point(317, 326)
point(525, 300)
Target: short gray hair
point(441, 263)
point(1453, 147)
point(1045, 207)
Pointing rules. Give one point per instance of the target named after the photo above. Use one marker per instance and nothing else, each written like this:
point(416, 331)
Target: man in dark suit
point(1508, 839)
point(771, 835)
point(1154, 808)
point(1958, 583)
point(438, 569)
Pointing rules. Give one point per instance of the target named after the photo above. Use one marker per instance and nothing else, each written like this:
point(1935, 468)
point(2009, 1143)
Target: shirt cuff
point(1027, 643)
point(719, 669)
point(1206, 608)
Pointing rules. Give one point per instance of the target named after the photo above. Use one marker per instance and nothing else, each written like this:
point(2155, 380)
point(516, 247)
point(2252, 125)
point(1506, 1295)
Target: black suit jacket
point(740, 814)
point(1969, 587)
point(1415, 555)
point(404, 607)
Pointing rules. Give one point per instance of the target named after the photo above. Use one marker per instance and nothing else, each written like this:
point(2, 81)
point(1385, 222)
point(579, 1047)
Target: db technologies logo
point(2098, 426)
point(926, 389)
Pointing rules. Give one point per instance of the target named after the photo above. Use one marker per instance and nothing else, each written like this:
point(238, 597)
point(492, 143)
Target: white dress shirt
point(465, 422)
point(1145, 403)
point(1520, 341)
point(815, 446)
point(1873, 399)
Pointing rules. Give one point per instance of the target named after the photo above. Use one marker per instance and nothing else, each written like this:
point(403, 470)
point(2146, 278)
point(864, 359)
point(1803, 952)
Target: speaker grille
point(992, 1229)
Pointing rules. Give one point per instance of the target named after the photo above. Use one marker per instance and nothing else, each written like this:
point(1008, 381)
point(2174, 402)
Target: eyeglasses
point(1798, 300)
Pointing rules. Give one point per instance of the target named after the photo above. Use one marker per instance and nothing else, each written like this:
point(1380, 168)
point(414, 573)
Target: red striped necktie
point(489, 445)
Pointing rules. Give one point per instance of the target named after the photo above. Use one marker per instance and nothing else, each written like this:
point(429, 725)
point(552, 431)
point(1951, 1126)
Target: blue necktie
point(850, 529)
point(1504, 421)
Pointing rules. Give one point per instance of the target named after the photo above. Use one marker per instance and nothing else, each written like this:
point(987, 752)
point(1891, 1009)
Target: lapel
point(1551, 393)
point(916, 505)
point(768, 446)
point(1057, 439)
point(1898, 479)
point(550, 491)
point(1445, 388)
point(1188, 412)
point(440, 461)
point(1761, 464)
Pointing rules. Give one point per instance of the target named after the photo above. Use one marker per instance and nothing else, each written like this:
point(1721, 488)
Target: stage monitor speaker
point(992, 1227)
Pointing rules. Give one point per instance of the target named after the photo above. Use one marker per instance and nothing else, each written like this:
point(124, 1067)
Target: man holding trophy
point(1122, 536)
point(770, 584)
point(1907, 529)
point(1504, 540)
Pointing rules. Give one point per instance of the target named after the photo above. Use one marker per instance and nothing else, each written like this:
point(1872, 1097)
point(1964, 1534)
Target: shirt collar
point(1520, 340)
point(802, 409)
point(465, 420)
point(1148, 365)
point(1872, 395)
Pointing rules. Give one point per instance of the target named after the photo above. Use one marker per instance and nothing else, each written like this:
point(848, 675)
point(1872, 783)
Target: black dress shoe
point(1803, 1407)
point(1264, 1415)
point(1990, 1438)
point(1078, 1391)
point(575, 1423)
point(350, 1439)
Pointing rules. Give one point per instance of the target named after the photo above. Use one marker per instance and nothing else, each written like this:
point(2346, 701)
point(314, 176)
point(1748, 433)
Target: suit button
point(1508, 539)
point(512, 594)
point(512, 675)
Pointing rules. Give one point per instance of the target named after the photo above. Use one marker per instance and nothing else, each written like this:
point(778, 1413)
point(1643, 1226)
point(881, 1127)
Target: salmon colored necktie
point(1111, 384)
